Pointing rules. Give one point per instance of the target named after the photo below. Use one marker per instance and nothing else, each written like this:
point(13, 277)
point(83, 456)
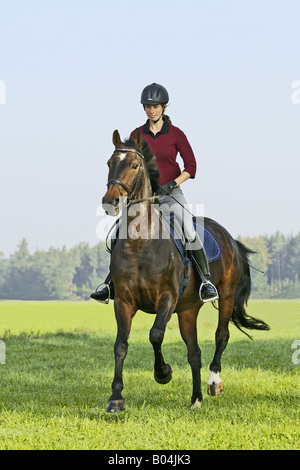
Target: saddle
point(211, 246)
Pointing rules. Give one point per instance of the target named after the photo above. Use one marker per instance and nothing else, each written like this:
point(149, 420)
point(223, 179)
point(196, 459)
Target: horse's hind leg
point(162, 371)
point(188, 329)
point(215, 384)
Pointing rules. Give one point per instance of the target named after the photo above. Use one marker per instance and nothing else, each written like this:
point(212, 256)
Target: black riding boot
point(207, 291)
point(106, 292)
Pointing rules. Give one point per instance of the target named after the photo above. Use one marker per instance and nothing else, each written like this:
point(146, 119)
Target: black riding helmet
point(154, 94)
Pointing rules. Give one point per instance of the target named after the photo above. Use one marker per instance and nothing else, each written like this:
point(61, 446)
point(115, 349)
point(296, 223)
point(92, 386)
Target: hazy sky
point(71, 72)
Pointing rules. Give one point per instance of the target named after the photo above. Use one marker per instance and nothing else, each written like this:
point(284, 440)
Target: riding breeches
point(183, 220)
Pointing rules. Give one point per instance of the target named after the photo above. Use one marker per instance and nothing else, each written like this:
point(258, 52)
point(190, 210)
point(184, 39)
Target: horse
point(146, 272)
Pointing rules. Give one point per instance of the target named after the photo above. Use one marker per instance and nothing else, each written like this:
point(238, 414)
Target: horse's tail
point(239, 316)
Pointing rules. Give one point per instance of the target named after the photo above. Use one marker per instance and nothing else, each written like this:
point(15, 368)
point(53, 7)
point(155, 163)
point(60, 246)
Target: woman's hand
point(166, 189)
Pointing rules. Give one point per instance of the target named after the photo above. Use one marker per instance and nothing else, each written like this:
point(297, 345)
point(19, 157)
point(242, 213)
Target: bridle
point(119, 184)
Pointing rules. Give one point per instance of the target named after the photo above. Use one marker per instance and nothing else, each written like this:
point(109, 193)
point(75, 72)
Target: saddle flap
point(212, 248)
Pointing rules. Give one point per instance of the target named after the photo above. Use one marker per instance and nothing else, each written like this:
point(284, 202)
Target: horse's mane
point(150, 161)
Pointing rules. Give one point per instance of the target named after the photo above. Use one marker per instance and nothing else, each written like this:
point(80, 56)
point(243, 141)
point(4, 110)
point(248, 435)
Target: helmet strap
point(163, 112)
point(155, 122)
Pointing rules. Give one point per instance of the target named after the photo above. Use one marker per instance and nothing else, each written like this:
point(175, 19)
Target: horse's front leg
point(165, 308)
point(124, 314)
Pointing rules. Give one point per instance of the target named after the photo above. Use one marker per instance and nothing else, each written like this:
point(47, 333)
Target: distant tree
point(59, 271)
point(292, 258)
point(259, 265)
point(91, 269)
point(3, 274)
point(276, 245)
point(17, 280)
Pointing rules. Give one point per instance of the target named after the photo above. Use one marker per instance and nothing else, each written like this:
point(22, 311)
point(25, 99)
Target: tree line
point(56, 274)
point(61, 274)
point(278, 257)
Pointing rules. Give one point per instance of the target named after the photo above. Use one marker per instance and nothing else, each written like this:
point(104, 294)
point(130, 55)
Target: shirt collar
point(164, 129)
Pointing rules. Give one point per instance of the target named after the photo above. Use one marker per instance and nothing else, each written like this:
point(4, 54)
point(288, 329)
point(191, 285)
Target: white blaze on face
point(122, 156)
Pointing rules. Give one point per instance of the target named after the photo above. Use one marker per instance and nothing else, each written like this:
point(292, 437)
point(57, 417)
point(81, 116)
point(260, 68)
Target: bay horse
point(146, 273)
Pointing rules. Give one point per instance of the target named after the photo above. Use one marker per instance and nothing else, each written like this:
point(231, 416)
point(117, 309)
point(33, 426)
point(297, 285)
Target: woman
point(166, 141)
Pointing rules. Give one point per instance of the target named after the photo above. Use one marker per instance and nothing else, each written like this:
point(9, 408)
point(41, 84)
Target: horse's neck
point(145, 191)
point(141, 219)
point(138, 221)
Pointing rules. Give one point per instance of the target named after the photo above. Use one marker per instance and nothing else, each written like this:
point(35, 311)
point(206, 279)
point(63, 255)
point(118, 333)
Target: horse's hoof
point(214, 384)
point(115, 406)
point(197, 404)
point(164, 379)
point(215, 389)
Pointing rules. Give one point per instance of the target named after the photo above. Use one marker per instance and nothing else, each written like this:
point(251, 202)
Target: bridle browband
point(119, 183)
point(130, 150)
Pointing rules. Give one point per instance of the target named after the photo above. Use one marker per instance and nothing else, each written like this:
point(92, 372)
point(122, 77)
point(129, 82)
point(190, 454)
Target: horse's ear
point(116, 138)
point(138, 138)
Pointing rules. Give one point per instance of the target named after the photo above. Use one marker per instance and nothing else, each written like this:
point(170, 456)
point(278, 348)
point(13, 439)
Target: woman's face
point(154, 111)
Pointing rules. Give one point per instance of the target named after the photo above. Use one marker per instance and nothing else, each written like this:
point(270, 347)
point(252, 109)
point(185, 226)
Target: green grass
point(59, 367)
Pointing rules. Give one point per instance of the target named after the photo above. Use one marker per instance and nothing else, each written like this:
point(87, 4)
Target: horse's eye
point(134, 166)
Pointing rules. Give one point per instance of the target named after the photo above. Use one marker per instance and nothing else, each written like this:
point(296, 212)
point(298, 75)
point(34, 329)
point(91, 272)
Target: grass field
point(59, 367)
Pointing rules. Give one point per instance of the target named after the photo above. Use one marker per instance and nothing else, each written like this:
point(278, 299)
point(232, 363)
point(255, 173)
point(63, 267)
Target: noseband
point(120, 184)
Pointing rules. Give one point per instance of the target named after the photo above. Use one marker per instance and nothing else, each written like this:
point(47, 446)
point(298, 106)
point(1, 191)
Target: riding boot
point(106, 292)
point(207, 291)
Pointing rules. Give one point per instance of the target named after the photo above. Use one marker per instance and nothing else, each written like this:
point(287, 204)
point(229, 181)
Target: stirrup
point(107, 300)
point(212, 298)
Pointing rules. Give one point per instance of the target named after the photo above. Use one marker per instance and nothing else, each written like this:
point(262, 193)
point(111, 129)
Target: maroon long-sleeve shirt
point(166, 145)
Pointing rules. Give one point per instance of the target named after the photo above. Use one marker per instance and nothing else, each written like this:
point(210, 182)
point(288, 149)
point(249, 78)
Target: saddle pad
point(212, 248)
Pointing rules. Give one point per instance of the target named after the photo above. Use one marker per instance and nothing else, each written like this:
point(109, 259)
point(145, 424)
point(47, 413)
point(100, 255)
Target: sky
point(71, 72)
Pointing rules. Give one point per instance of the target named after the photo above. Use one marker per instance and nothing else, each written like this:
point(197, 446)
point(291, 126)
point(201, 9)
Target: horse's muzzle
point(111, 205)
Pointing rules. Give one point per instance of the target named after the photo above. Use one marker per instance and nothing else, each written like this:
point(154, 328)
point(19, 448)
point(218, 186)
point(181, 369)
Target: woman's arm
point(182, 178)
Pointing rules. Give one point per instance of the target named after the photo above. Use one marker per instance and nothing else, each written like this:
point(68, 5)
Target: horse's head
point(125, 172)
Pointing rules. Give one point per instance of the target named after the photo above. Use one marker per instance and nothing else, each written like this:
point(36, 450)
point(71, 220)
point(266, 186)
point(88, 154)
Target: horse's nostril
point(115, 202)
point(108, 203)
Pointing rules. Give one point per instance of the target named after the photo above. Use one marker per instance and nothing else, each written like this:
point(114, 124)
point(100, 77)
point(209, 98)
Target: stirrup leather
point(107, 300)
point(212, 298)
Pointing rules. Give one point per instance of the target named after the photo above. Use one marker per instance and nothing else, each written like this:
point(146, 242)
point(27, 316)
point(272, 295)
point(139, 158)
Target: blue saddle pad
point(211, 246)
